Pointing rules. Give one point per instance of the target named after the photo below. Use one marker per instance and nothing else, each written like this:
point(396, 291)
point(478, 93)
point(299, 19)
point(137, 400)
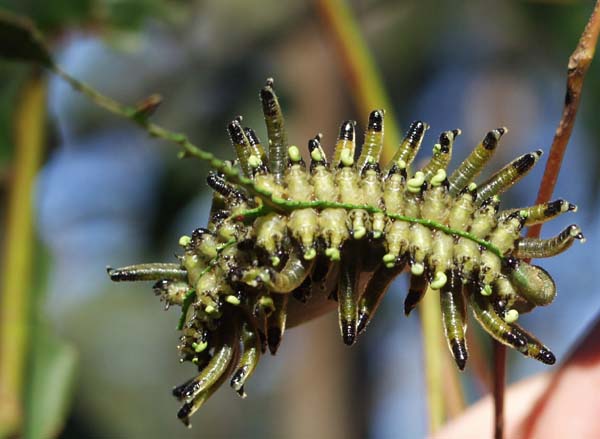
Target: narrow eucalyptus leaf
point(20, 40)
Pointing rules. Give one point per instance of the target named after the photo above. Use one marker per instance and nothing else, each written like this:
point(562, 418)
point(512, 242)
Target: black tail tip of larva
point(348, 332)
point(363, 320)
point(459, 352)
point(547, 357)
point(412, 299)
point(273, 339)
point(184, 413)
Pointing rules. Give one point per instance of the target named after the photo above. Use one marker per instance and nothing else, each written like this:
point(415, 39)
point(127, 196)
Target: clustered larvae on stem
point(285, 240)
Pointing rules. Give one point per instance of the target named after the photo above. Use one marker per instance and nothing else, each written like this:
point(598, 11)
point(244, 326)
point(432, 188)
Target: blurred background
point(101, 356)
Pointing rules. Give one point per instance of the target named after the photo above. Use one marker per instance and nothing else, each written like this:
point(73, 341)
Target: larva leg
point(250, 343)
point(408, 147)
point(493, 324)
point(275, 130)
point(507, 176)
point(172, 293)
point(454, 317)
point(373, 144)
point(442, 154)
point(416, 290)
point(142, 272)
point(346, 145)
point(332, 225)
point(545, 248)
point(540, 213)
point(276, 322)
point(270, 231)
point(475, 162)
point(374, 292)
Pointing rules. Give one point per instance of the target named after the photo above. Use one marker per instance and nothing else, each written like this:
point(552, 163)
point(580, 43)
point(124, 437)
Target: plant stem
point(234, 175)
point(579, 63)
point(499, 385)
point(359, 67)
point(29, 135)
point(577, 67)
point(431, 322)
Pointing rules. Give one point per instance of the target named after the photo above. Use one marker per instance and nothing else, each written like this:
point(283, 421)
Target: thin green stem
point(234, 175)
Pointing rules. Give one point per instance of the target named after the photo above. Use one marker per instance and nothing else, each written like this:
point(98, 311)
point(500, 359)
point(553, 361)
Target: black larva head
point(546, 357)
point(269, 99)
point(445, 141)
point(526, 162)
point(376, 121)
point(555, 207)
point(491, 139)
point(160, 287)
point(236, 132)
point(347, 130)
point(416, 131)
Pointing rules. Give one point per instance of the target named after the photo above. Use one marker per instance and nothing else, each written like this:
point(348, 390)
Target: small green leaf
point(21, 40)
point(50, 388)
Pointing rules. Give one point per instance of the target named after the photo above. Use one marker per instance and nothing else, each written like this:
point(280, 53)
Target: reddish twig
point(499, 385)
point(579, 63)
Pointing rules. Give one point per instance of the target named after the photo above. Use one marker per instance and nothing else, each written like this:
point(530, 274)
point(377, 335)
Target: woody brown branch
point(578, 65)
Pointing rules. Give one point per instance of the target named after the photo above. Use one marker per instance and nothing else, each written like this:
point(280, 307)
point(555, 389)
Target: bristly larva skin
point(286, 240)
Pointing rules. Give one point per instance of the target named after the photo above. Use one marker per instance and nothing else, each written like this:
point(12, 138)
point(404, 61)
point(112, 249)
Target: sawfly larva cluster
point(287, 241)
